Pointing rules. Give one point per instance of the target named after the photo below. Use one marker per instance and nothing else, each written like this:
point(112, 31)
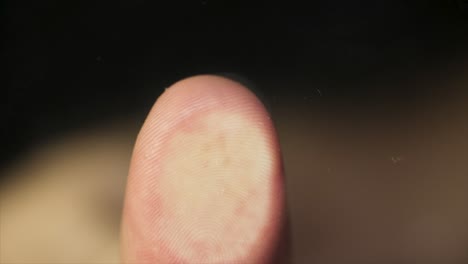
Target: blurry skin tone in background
point(359, 190)
point(63, 204)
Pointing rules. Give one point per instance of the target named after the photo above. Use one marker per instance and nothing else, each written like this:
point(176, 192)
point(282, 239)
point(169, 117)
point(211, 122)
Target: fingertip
point(204, 133)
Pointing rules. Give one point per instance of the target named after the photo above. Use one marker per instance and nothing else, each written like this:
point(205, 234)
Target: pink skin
point(152, 232)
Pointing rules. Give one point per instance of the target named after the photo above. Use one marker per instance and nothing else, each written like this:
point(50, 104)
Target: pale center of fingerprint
point(210, 177)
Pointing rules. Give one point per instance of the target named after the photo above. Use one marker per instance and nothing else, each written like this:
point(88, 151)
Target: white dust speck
point(396, 159)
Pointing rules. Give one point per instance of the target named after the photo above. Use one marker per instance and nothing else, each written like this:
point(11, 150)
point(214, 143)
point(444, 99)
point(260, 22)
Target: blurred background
point(369, 98)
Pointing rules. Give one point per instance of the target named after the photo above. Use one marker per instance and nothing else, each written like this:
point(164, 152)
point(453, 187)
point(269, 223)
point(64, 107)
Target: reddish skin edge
point(139, 213)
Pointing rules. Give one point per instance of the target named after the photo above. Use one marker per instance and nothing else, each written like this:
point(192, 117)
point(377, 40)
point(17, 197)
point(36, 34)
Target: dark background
point(72, 64)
